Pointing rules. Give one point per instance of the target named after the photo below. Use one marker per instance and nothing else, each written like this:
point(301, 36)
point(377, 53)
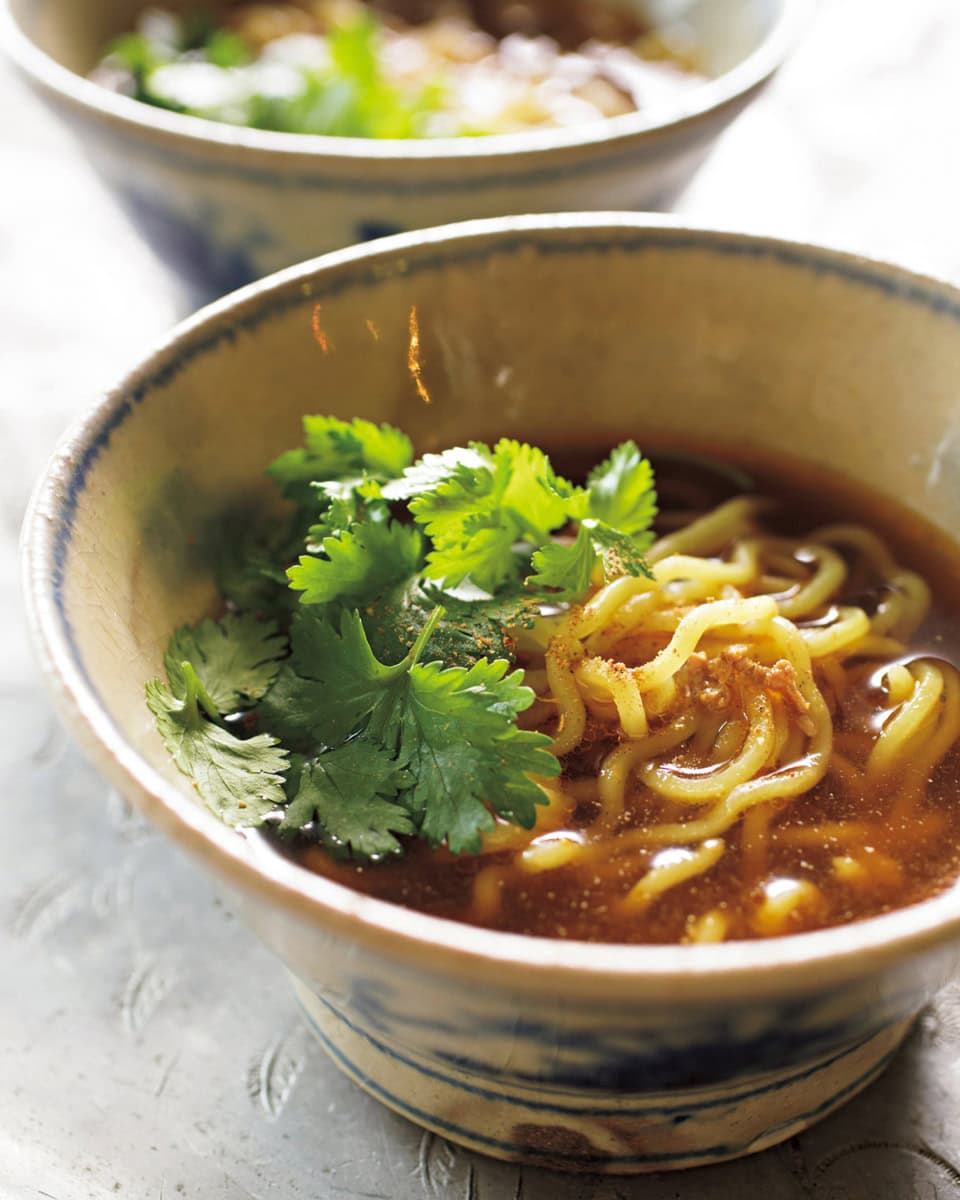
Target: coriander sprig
point(389, 708)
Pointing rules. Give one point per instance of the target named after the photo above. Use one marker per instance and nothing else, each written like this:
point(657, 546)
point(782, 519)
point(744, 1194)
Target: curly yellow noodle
point(604, 606)
point(852, 625)
point(562, 653)
point(604, 711)
point(711, 532)
point(583, 790)
point(894, 741)
point(841, 766)
point(945, 736)
point(711, 927)
point(833, 673)
point(775, 584)
point(488, 892)
point(853, 833)
point(782, 556)
point(865, 542)
point(619, 764)
point(660, 699)
point(782, 730)
point(793, 748)
point(618, 681)
point(828, 579)
point(676, 867)
point(625, 620)
point(696, 789)
point(665, 622)
point(903, 609)
point(782, 903)
point(877, 647)
point(708, 694)
point(729, 739)
point(536, 678)
point(704, 741)
point(535, 640)
point(550, 817)
point(754, 840)
point(552, 852)
point(720, 613)
point(790, 643)
point(900, 683)
point(741, 568)
point(792, 780)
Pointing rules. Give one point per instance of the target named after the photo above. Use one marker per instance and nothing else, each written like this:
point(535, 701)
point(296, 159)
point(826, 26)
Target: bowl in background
point(552, 329)
point(225, 205)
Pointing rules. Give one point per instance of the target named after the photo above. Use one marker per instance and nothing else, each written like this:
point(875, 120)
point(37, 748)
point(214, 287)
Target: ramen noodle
point(759, 740)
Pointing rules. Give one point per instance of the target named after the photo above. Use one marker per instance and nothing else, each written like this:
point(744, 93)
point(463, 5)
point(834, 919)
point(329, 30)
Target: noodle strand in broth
point(750, 743)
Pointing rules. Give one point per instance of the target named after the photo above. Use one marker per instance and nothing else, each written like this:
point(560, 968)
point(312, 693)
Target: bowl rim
point(503, 151)
point(774, 966)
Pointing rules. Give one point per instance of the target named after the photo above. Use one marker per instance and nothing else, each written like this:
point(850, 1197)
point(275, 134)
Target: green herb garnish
point(389, 707)
point(349, 96)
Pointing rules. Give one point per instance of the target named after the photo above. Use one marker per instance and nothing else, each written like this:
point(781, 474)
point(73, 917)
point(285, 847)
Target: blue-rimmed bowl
point(567, 329)
point(226, 205)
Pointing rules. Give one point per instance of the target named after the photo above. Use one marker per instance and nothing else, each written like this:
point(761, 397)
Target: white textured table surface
point(149, 1047)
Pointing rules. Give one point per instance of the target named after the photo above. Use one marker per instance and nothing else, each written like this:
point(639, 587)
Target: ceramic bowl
point(227, 205)
point(552, 329)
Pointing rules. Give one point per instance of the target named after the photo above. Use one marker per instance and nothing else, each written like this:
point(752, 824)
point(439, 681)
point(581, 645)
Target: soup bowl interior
point(565, 332)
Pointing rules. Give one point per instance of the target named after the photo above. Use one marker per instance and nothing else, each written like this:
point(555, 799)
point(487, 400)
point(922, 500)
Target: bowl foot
point(614, 1133)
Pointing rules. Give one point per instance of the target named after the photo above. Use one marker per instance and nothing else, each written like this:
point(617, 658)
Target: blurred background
point(148, 1046)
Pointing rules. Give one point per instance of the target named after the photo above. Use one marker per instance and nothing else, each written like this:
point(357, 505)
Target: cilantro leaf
point(455, 733)
point(289, 711)
point(240, 781)
point(353, 96)
point(452, 730)
point(565, 567)
point(324, 692)
point(235, 659)
point(359, 445)
point(397, 705)
point(138, 54)
point(468, 631)
point(346, 503)
point(483, 553)
point(433, 469)
point(224, 48)
point(336, 449)
point(511, 610)
point(569, 568)
point(294, 473)
point(619, 552)
point(448, 796)
point(475, 514)
point(349, 793)
point(620, 491)
point(352, 679)
point(615, 514)
point(358, 563)
point(248, 554)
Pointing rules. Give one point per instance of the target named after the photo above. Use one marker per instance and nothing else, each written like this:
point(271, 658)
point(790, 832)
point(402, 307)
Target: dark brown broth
point(580, 902)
